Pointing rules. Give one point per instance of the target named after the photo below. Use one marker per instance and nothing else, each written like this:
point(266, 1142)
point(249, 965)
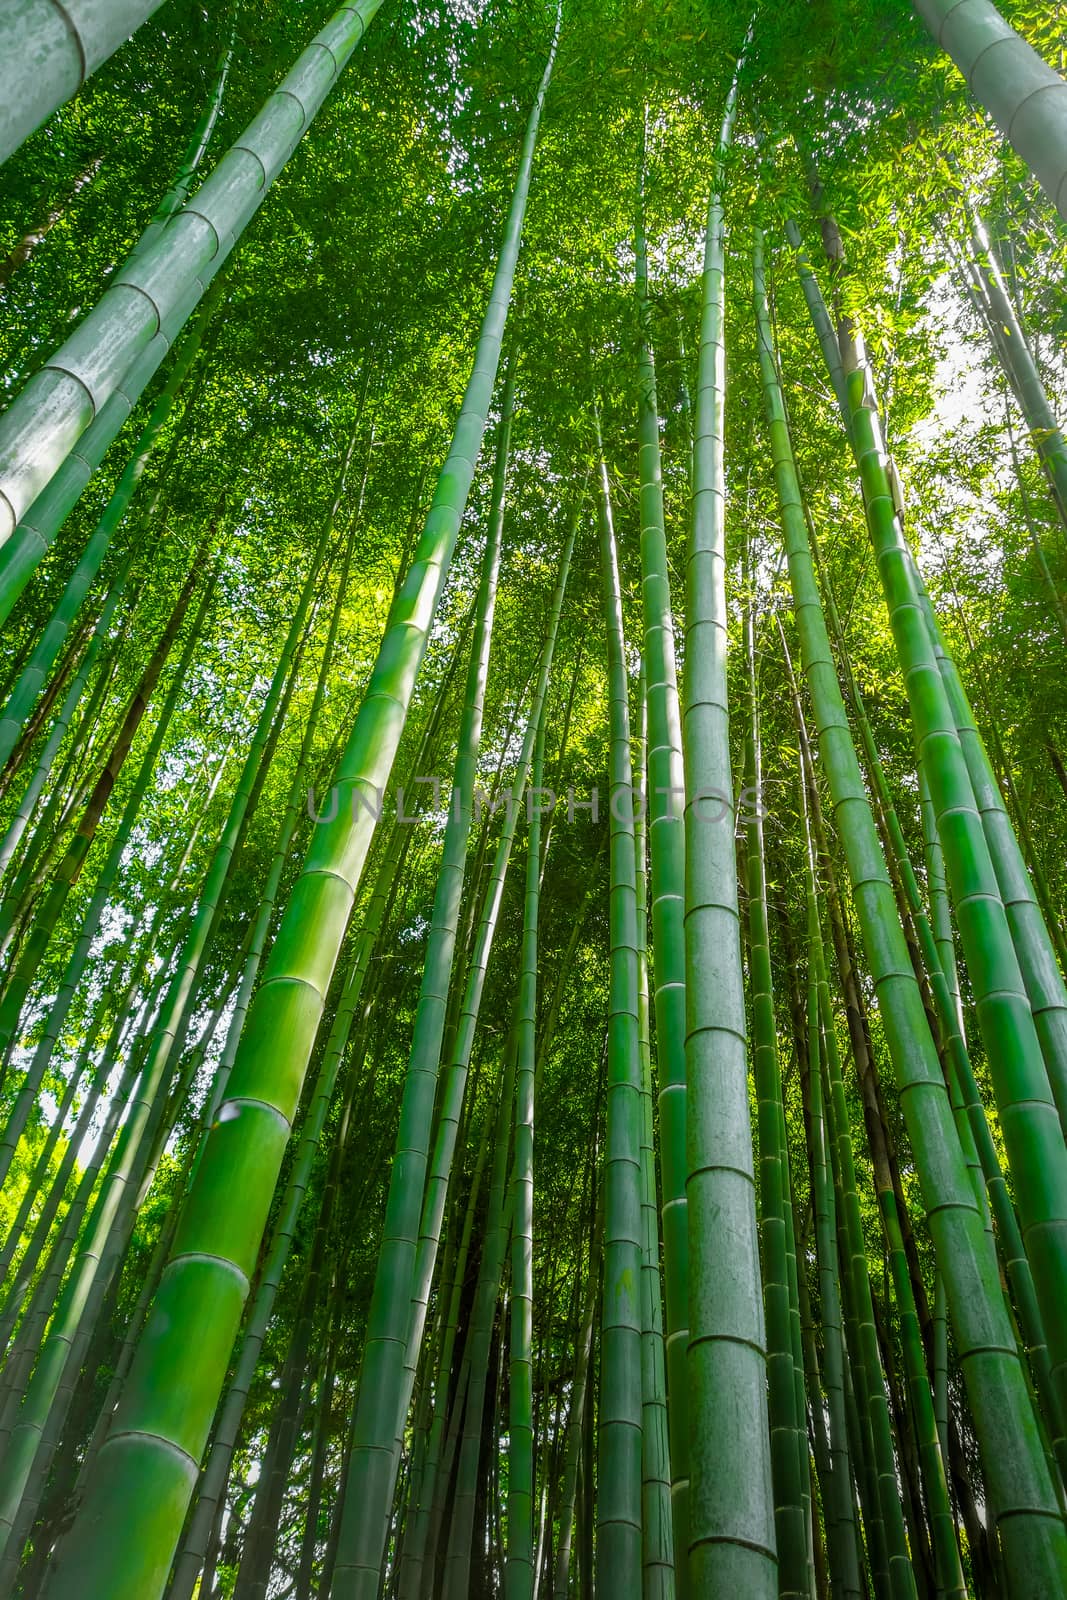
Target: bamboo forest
point(533, 800)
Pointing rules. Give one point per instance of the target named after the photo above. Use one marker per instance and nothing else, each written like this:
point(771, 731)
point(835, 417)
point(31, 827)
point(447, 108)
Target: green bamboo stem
point(217, 1467)
point(50, 54)
point(579, 1403)
point(1025, 97)
point(937, 892)
point(731, 1535)
point(1031, 1128)
point(68, 663)
point(868, 1375)
point(940, 1364)
point(451, 1109)
point(821, 320)
point(1010, 345)
point(666, 830)
point(412, 1566)
point(1023, 1499)
point(378, 1419)
point(656, 1522)
point(977, 1143)
point(618, 1504)
point(1034, 946)
point(933, 1464)
point(176, 194)
point(68, 789)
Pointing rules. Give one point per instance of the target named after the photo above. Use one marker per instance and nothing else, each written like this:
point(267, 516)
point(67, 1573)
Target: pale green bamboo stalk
point(49, 50)
point(666, 833)
point(1025, 97)
point(619, 1518)
point(159, 287)
point(731, 1536)
point(21, 700)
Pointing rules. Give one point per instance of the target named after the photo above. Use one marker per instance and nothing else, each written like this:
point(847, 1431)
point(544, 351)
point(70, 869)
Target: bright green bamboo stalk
point(519, 1575)
point(378, 1420)
point(1033, 1136)
point(22, 698)
point(618, 1502)
point(213, 1479)
point(787, 1449)
point(148, 1465)
point(979, 1149)
point(1024, 1503)
point(1025, 97)
point(666, 828)
point(1030, 933)
point(140, 1129)
point(49, 50)
point(933, 1464)
point(157, 289)
point(656, 1522)
point(731, 1537)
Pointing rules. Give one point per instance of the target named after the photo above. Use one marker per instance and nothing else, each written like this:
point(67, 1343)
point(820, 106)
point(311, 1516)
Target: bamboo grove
point(533, 801)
